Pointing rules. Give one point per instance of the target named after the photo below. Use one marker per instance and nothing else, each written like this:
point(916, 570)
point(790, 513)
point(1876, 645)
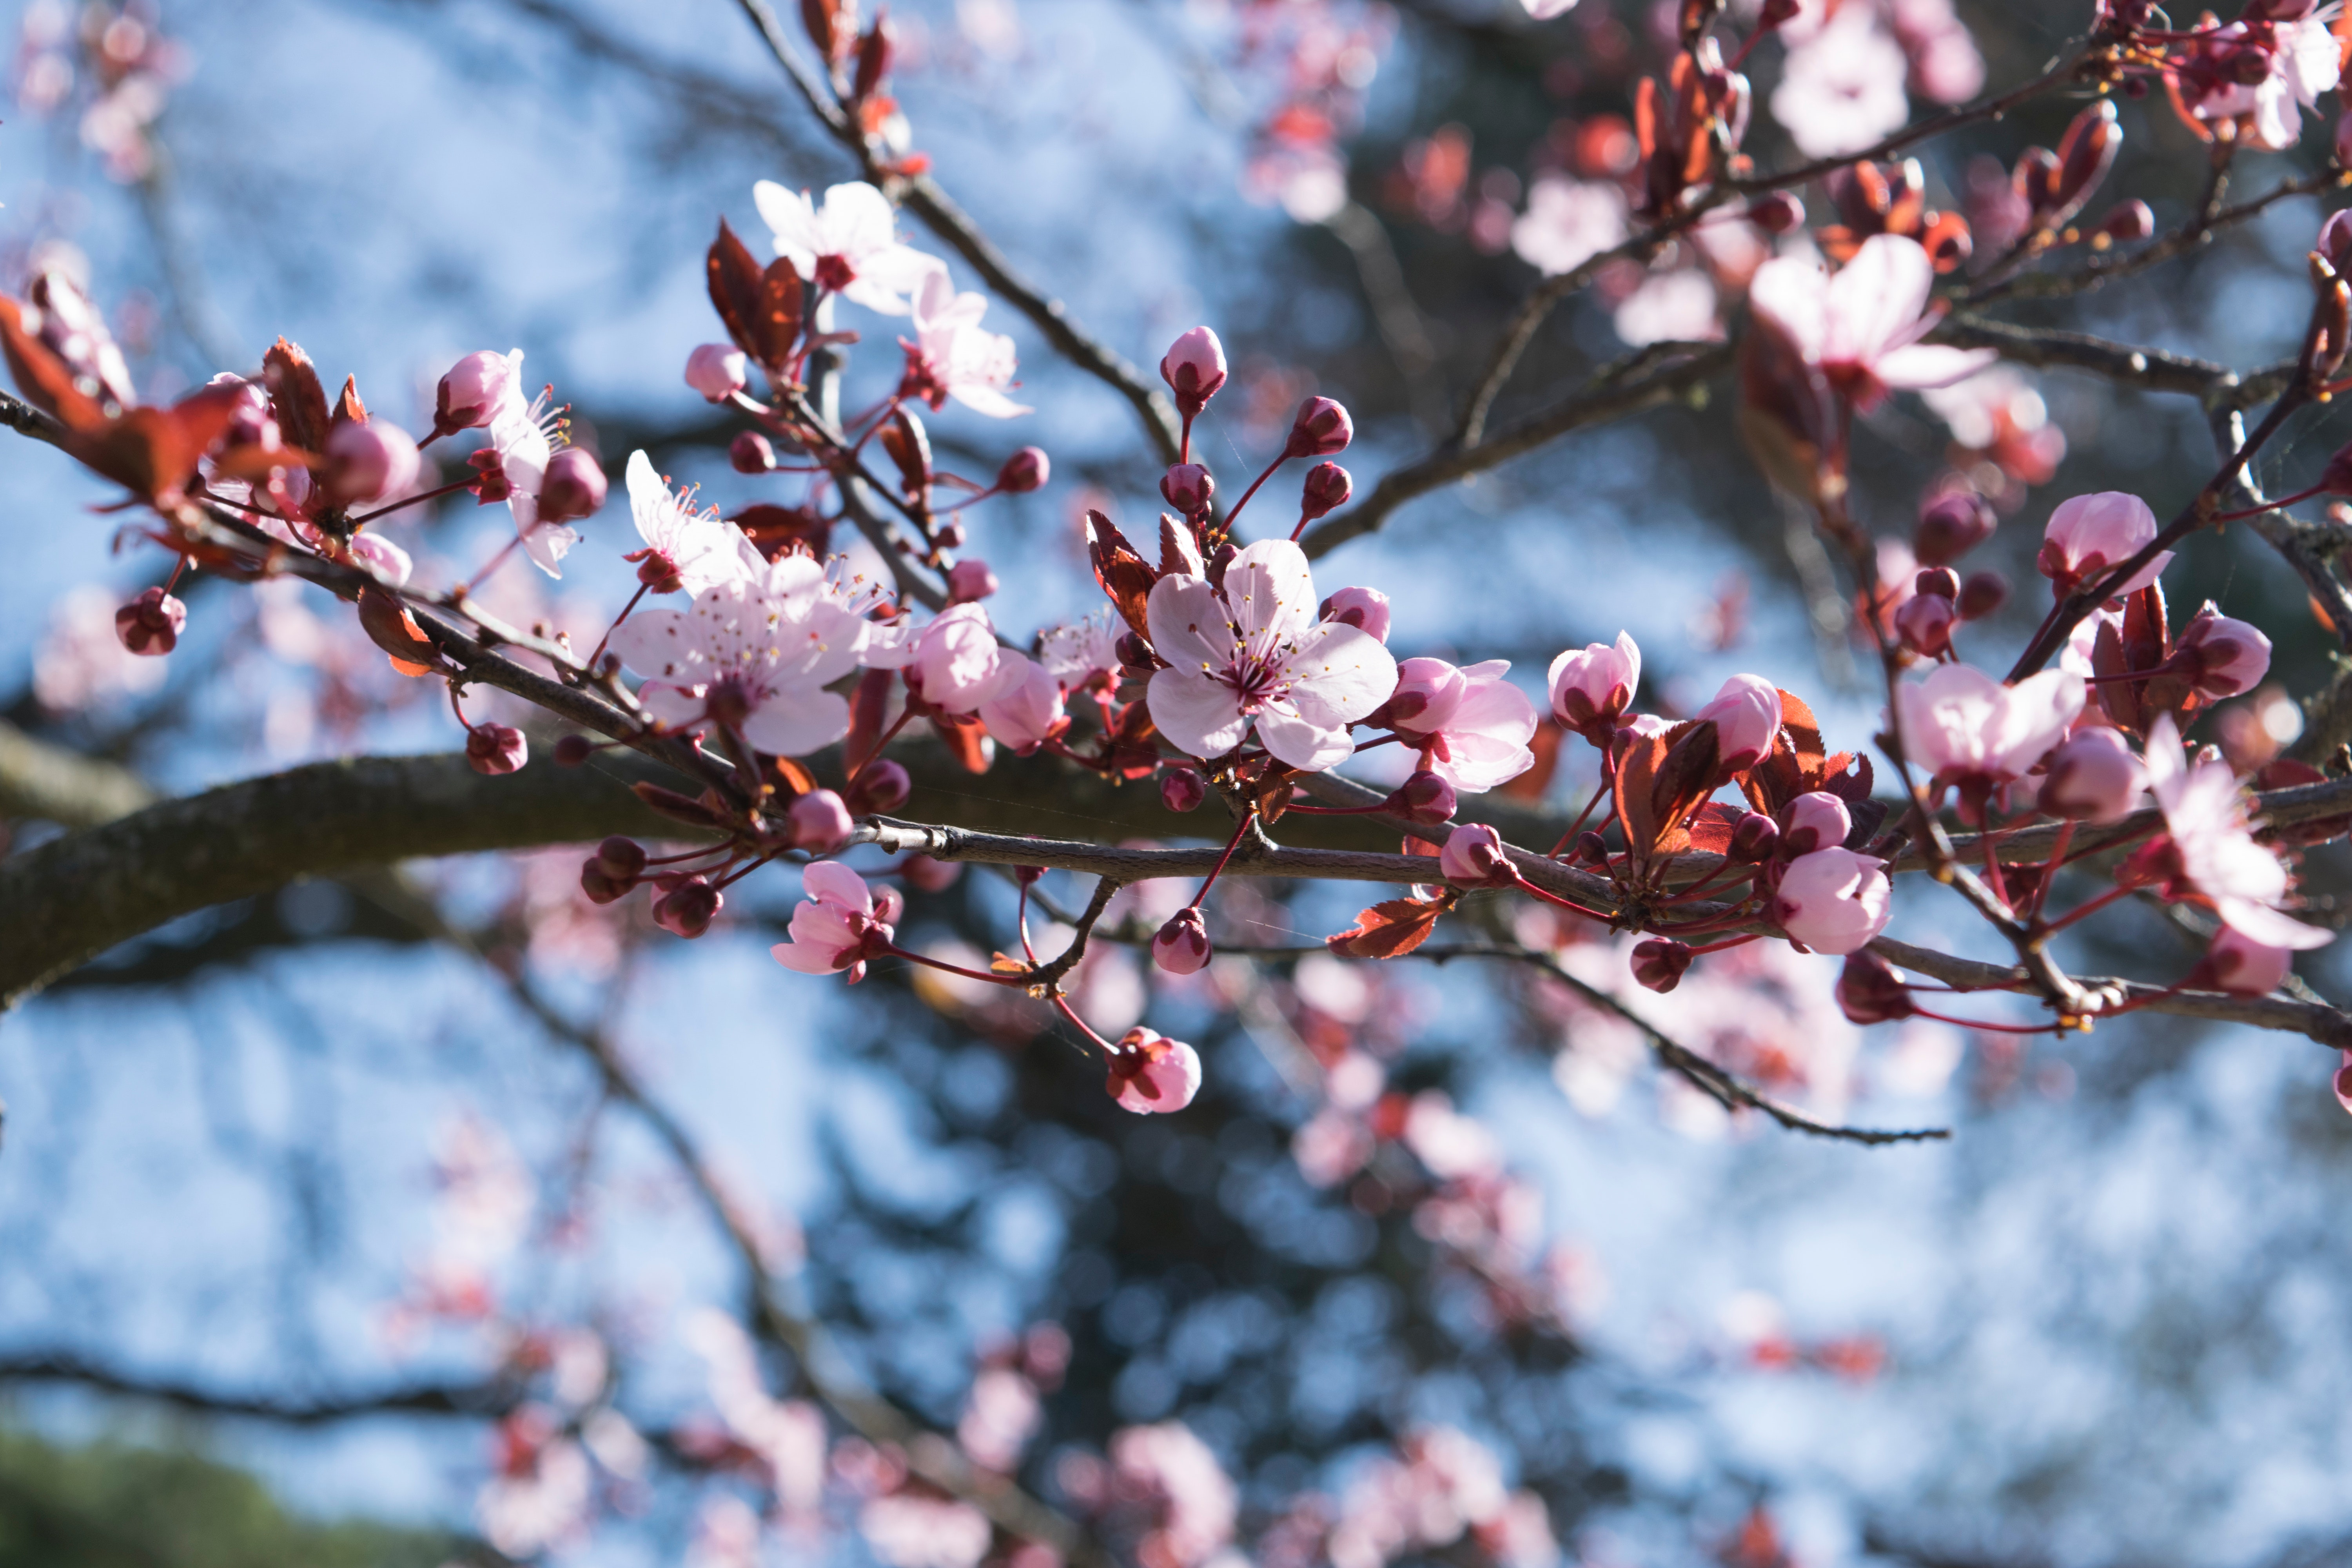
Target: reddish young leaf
point(761, 309)
point(153, 452)
point(1123, 574)
point(1710, 830)
point(967, 740)
point(1389, 930)
point(793, 781)
point(1134, 748)
point(1530, 786)
point(1637, 771)
point(349, 409)
point(778, 529)
point(1684, 777)
point(297, 400)
point(909, 447)
point(47, 382)
point(392, 629)
point(868, 707)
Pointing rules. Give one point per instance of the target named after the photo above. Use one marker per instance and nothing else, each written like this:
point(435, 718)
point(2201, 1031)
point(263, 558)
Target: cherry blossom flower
point(1252, 651)
point(1545, 10)
point(1746, 714)
point(755, 654)
point(2237, 963)
point(1863, 325)
point(1169, 1467)
point(686, 549)
point(1834, 901)
point(1679, 306)
point(909, 1529)
point(540, 1497)
point(1966, 728)
point(1590, 690)
point(2219, 862)
point(951, 662)
point(2090, 534)
point(380, 555)
point(2299, 60)
point(1152, 1073)
point(1841, 89)
point(522, 433)
point(2223, 657)
point(850, 244)
point(1026, 710)
point(1471, 725)
point(1567, 223)
point(952, 357)
point(839, 926)
point(1081, 653)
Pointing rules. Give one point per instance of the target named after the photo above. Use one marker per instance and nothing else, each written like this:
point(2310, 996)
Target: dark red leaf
point(1125, 577)
point(761, 309)
point(46, 380)
point(868, 708)
point(392, 629)
point(297, 400)
point(1389, 930)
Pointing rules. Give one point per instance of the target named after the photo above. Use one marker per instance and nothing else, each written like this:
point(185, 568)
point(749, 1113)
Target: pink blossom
point(1841, 89)
point(1834, 901)
point(838, 928)
point(755, 653)
point(1746, 714)
point(1679, 306)
point(1081, 653)
point(952, 357)
point(150, 623)
point(2094, 777)
point(1471, 726)
point(1966, 728)
point(1026, 711)
point(475, 389)
point(495, 749)
point(1567, 223)
point(521, 432)
point(1196, 1505)
point(969, 580)
point(1366, 609)
point(2090, 534)
point(849, 245)
point(790, 1435)
point(2222, 656)
point(686, 548)
point(1590, 691)
point(540, 1497)
point(952, 662)
point(1182, 946)
point(2300, 60)
point(718, 371)
point(1862, 326)
point(369, 462)
point(2239, 964)
point(2218, 859)
point(1252, 651)
point(909, 1529)
point(1473, 855)
point(1816, 820)
point(1000, 1415)
point(1150, 1072)
point(380, 555)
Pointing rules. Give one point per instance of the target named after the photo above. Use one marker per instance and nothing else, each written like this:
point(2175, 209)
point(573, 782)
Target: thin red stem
point(1231, 845)
point(643, 588)
point(367, 517)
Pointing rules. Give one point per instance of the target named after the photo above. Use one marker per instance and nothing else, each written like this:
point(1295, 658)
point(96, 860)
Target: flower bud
point(1950, 525)
point(1366, 609)
point(1187, 488)
point(1660, 963)
point(2093, 777)
point(1132, 652)
point(1981, 594)
point(1817, 820)
point(1182, 789)
point(688, 909)
point(1834, 901)
point(1754, 839)
point(1027, 469)
point(928, 875)
point(1182, 945)
point(2128, 223)
point(1326, 489)
point(949, 535)
point(1924, 623)
point(821, 822)
point(1194, 368)
point(152, 622)
point(574, 486)
point(2244, 967)
point(969, 582)
point(1747, 715)
point(1590, 849)
point(752, 453)
point(1474, 854)
point(495, 749)
point(1782, 212)
point(1940, 581)
point(571, 750)
point(2088, 534)
point(2222, 656)
point(1150, 1073)
point(621, 859)
point(599, 885)
point(881, 787)
point(1869, 992)
point(1424, 798)
point(2085, 153)
point(1322, 429)
point(472, 391)
point(1591, 688)
point(718, 371)
point(369, 462)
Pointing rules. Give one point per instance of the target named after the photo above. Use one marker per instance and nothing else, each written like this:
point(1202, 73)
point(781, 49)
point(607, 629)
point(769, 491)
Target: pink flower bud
point(1747, 715)
point(621, 859)
point(2243, 967)
point(1366, 609)
point(2128, 223)
point(718, 371)
point(472, 391)
point(950, 535)
point(2222, 656)
point(369, 462)
point(1834, 901)
point(1924, 623)
point(380, 555)
point(1027, 469)
point(688, 909)
point(1322, 429)
point(1422, 684)
point(1474, 854)
point(1981, 594)
point(1591, 689)
point(1182, 789)
point(2093, 777)
point(1424, 798)
point(881, 787)
point(572, 750)
point(928, 875)
point(1950, 525)
point(1869, 992)
point(821, 822)
point(1326, 489)
point(1782, 212)
point(574, 486)
point(1193, 367)
point(2089, 535)
point(1940, 581)
point(1816, 820)
point(599, 885)
point(495, 749)
point(1182, 945)
point(152, 622)
point(1756, 838)
point(1150, 1073)
point(1188, 488)
point(1659, 964)
point(752, 453)
point(969, 582)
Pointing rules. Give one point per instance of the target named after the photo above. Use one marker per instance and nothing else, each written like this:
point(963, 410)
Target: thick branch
point(53, 785)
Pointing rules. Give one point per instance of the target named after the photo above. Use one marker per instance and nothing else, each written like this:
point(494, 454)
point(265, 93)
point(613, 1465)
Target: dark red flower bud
point(2085, 153)
point(1869, 992)
point(621, 858)
point(572, 750)
point(152, 622)
point(1590, 849)
point(1424, 798)
point(752, 453)
point(1326, 489)
point(495, 749)
point(1940, 581)
point(1322, 429)
point(2036, 176)
point(688, 909)
point(1660, 963)
point(2128, 222)
point(1188, 488)
point(1132, 651)
point(882, 786)
point(1981, 594)
point(1027, 469)
point(1782, 212)
point(1755, 839)
point(1182, 789)
point(574, 487)
point(599, 884)
point(1950, 525)
point(1924, 623)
